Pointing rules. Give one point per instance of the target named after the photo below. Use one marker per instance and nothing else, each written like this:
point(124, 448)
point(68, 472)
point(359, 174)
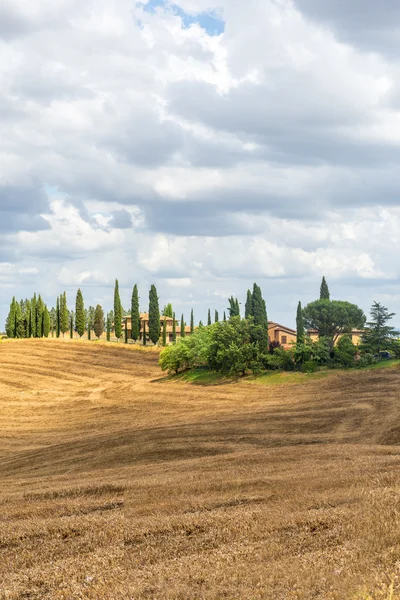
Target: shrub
point(345, 352)
point(365, 360)
point(310, 366)
point(281, 359)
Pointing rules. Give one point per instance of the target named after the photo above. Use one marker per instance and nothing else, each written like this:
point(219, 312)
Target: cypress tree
point(154, 316)
point(224, 316)
point(144, 333)
point(58, 328)
point(23, 319)
point(300, 324)
point(90, 321)
point(28, 317)
point(183, 333)
point(135, 314)
point(34, 316)
point(117, 312)
point(174, 328)
point(46, 322)
point(10, 323)
point(249, 305)
point(71, 324)
point(108, 327)
point(324, 290)
point(234, 310)
point(259, 311)
point(126, 330)
point(79, 314)
point(216, 317)
point(164, 333)
point(64, 315)
point(98, 324)
point(191, 321)
point(167, 310)
point(201, 324)
point(209, 317)
point(19, 324)
point(39, 317)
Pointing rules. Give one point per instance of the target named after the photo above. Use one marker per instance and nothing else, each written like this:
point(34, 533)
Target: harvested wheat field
point(119, 484)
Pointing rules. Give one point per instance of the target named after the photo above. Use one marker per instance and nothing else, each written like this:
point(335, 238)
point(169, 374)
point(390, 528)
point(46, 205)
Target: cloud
point(176, 143)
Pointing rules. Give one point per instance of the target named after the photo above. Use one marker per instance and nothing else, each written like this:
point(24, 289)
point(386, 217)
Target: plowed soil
point(116, 483)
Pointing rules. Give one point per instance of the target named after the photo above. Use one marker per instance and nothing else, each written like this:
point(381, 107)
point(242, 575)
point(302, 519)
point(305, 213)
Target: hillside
point(118, 484)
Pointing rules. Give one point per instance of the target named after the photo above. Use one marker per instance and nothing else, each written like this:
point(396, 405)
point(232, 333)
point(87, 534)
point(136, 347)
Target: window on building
point(284, 339)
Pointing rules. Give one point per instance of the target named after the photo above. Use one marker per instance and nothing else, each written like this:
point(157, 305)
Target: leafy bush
point(310, 366)
point(365, 360)
point(344, 352)
point(281, 359)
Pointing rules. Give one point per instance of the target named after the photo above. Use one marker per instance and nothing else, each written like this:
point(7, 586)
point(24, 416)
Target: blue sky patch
point(209, 21)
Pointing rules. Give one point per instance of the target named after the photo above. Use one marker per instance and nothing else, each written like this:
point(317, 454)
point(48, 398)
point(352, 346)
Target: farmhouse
point(144, 323)
point(282, 334)
point(355, 335)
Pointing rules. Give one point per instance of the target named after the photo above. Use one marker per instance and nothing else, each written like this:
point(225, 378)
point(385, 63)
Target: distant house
point(144, 321)
point(355, 335)
point(282, 334)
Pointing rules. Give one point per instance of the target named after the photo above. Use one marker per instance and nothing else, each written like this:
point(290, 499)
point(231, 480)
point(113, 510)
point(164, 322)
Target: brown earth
point(117, 484)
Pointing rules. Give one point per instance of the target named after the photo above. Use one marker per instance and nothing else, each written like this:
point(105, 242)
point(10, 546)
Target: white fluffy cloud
point(135, 143)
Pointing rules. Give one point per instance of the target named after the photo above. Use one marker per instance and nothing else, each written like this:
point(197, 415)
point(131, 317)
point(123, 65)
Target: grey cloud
point(121, 219)
point(370, 25)
point(12, 24)
point(20, 209)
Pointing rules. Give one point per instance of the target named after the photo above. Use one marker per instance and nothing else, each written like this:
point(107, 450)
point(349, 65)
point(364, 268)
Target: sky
point(200, 145)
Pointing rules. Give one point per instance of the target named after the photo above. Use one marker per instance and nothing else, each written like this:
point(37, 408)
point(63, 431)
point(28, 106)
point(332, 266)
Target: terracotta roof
point(273, 325)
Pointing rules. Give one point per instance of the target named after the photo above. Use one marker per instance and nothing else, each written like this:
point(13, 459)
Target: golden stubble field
point(117, 484)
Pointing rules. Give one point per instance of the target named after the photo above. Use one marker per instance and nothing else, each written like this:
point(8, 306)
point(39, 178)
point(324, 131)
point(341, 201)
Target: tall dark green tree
point(109, 324)
point(39, 317)
point(71, 324)
point(191, 321)
point(144, 333)
point(379, 335)
point(248, 309)
point(58, 318)
point(126, 334)
point(19, 323)
point(216, 317)
point(167, 311)
point(259, 311)
point(224, 316)
point(79, 314)
point(154, 316)
point(10, 323)
point(174, 328)
point(300, 324)
point(209, 317)
point(90, 321)
point(98, 325)
point(164, 333)
point(183, 333)
point(117, 312)
point(28, 317)
point(135, 314)
point(64, 314)
point(324, 290)
point(34, 316)
point(46, 322)
point(234, 310)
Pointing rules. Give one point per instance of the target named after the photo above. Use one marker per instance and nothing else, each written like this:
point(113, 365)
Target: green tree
point(183, 333)
point(64, 314)
point(52, 313)
point(345, 352)
point(332, 318)
point(109, 324)
point(324, 290)
point(167, 311)
point(117, 312)
point(224, 316)
point(191, 321)
point(90, 321)
point(300, 324)
point(234, 310)
point(10, 322)
point(258, 308)
point(379, 335)
point(174, 328)
point(79, 314)
point(216, 317)
point(58, 318)
point(209, 317)
point(34, 316)
point(135, 314)
point(39, 317)
point(98, 325)
point(28, 316)
point(164, 333)
point(46, 322)
point(248, 310)
point(154, 316)
point(19, 322)
point(71, 324)
point(144, 333)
